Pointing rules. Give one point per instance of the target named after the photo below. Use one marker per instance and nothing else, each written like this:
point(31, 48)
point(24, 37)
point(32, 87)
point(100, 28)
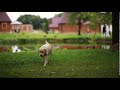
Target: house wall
point(65, 28)
point(5, 27)
point(22, 27)
point(26, 27)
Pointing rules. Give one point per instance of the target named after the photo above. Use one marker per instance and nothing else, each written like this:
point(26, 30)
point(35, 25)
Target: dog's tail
point(55, 47)
point(46, 42)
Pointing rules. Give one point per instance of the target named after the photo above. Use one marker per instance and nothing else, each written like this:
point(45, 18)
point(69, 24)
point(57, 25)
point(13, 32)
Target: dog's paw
point(44, 65)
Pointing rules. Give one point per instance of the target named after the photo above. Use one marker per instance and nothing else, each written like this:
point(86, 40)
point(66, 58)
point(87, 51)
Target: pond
point(34, 47)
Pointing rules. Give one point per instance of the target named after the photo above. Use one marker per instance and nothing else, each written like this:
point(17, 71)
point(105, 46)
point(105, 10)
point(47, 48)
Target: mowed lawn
point(85, 63)
point(42, 35)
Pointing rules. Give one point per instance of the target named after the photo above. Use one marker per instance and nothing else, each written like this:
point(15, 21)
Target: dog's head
point(42, 52)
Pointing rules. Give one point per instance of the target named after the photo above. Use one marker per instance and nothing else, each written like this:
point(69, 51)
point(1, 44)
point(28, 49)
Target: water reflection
point(106, 46)
point(29, 48)
point(80, 47)
point(5, 49)
point(85, 47)
point(15, 49)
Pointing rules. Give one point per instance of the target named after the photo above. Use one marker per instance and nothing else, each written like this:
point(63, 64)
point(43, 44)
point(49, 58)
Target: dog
point(45, 51)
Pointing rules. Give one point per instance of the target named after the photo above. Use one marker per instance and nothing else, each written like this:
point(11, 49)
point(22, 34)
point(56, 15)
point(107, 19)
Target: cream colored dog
point(45, 52)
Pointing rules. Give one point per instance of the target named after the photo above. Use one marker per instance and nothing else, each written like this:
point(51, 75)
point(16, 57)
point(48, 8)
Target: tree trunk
point(79, 28)
point(115, 31)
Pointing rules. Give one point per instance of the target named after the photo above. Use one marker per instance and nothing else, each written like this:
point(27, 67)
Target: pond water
point(34, 47)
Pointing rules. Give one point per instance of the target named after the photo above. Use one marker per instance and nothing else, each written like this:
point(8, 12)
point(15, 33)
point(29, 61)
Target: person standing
point(104, 30)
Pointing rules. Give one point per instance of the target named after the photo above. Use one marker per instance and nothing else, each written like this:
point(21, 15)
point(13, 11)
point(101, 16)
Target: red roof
point(63, 18)
point(4, 17)
point(58, 20)
point(55, 21)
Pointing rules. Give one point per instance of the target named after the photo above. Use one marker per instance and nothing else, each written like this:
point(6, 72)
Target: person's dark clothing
point(104, 29)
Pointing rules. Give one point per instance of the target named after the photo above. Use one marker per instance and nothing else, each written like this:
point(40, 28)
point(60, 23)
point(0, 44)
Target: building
point(16, 26)
point(26, 28)
point(19, 27)
point(60, 24)
point(5, 22)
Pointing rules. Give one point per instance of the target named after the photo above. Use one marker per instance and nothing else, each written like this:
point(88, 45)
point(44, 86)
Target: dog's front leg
point(45, 61)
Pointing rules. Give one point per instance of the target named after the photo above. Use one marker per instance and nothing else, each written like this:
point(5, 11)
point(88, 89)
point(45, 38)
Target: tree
point(31, 19)
point(75, 17)
point(78, 17)
point(112, 18)
point(45, 25)
point(106, 18)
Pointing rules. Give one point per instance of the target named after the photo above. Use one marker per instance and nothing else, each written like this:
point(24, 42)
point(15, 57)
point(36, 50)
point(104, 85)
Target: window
point(29, 28)
point(24, 27)
point(4, 26)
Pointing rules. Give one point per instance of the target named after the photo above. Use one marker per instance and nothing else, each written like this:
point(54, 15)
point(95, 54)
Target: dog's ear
point(45, 53)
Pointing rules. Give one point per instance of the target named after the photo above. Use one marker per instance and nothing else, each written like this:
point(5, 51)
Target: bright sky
point(14, 15)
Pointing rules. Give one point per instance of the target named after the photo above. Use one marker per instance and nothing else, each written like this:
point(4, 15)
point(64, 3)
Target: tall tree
point(106, 17)
point(75, 18)
point(78, 17)
point(45, 25)
point(93, 17)
point(31, 19)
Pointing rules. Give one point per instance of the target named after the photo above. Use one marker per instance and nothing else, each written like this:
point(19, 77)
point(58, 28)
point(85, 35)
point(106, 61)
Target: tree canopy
point(45, 25)
point(93, 17)
point(106, 18)
point(32, 19)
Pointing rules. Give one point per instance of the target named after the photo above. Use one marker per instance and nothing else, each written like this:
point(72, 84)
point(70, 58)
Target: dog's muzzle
point(41, 55)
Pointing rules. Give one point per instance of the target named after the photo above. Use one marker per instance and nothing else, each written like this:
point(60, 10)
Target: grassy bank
point(31, 37)
point(41, 35)
point(91, 63)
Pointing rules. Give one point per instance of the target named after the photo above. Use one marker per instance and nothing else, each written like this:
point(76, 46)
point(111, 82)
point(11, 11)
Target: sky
point(14, 15)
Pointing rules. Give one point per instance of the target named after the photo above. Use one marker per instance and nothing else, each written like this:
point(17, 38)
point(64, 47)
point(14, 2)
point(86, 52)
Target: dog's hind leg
point(50, 55)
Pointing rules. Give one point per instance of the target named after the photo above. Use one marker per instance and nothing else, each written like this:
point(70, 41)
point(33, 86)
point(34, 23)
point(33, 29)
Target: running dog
point(45, 52)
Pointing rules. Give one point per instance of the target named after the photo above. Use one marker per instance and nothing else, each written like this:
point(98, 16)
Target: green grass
point(41, 35)
point(85, 63)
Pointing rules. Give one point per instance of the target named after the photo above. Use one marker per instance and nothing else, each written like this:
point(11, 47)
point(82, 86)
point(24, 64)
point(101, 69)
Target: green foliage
point(72, 17)
point(45, 26)
point(59, 15)
point(32, 19)
point(93, 17)
point(106, 18)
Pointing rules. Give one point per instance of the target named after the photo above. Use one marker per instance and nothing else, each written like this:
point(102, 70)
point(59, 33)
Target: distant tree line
point(36, 21)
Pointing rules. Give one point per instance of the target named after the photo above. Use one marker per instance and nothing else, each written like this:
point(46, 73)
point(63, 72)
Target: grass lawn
point(41, 35)
point(85, 63)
